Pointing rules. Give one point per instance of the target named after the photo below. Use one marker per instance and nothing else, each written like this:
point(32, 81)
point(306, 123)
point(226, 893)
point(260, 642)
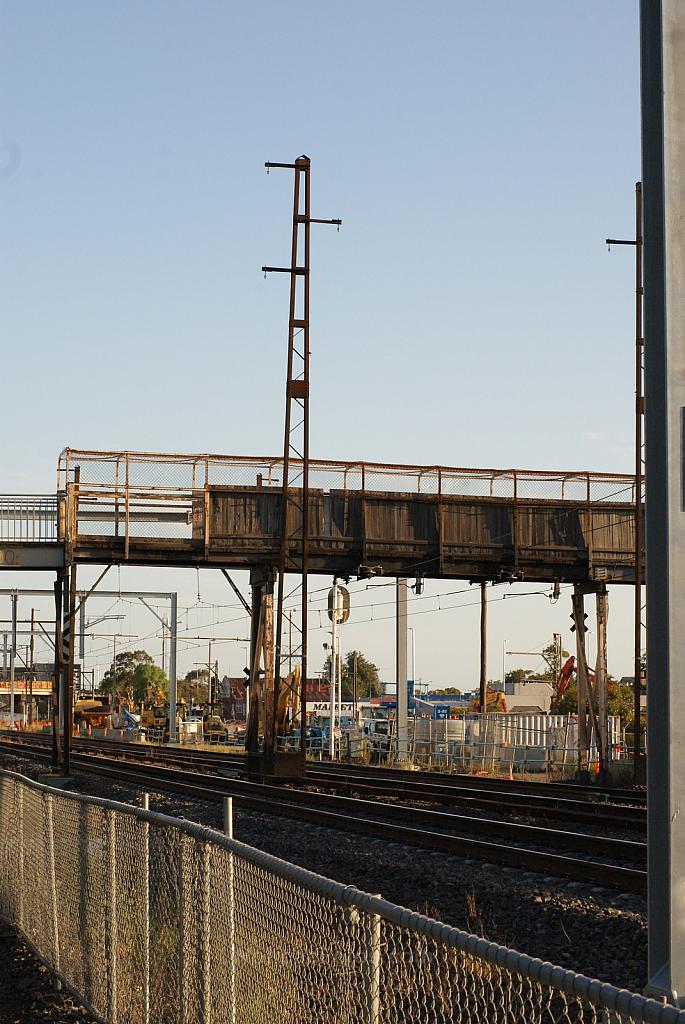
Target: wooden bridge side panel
point(453, 536)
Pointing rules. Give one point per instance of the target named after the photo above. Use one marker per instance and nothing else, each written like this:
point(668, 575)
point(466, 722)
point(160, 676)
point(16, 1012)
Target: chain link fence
point(149, 918)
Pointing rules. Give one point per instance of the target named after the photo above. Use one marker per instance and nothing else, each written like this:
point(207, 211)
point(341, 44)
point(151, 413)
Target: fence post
point(205, 999)
point(181, 929)
point(111, 924)
point(20, 850)
point(228, 830)
point(146, 912)
point(52, 878)
point(374, 968)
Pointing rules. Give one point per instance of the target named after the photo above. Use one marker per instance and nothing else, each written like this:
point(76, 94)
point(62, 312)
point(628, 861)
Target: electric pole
point(638, 757)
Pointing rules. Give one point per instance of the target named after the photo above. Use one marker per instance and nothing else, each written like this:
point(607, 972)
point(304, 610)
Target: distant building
point(233, 695)
point(528, 696)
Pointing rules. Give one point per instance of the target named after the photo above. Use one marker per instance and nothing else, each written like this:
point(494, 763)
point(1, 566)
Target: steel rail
point(597, 796)
point(315, 808)
point(504, 800)
point(501, 796)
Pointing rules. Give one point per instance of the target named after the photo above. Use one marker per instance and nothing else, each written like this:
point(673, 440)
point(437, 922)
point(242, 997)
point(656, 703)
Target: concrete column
point(662, 43)
point(401, 668)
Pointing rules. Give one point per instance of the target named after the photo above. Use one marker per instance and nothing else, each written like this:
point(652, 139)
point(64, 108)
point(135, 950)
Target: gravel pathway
point(599, 932)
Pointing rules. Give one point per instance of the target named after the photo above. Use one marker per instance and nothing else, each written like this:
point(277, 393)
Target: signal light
point(573, 621)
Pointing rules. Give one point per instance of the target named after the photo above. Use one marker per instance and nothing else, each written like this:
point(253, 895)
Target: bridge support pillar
point(57, 676)
point(401, 669)
point(68, 637)
point(593, 724)
point(578, 600)
point(261, 683)
point(601, 687)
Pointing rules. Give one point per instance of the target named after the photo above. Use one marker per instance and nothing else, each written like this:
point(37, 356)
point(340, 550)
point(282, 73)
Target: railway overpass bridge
point(365, 519)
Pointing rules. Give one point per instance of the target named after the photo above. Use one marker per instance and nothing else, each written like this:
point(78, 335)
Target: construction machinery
point(564, 679)
point(155, 720)
point(288, 702)
point(213, 725)
point(93, 712)
point(494, 702)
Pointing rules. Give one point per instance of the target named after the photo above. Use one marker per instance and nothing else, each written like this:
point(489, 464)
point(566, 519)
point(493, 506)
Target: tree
point(368, 681)
point(555, 659)
point(619, 701)
point(447, 691)
point(519, 675)
point(194, 688)
point(118, 679)
point(147, 680)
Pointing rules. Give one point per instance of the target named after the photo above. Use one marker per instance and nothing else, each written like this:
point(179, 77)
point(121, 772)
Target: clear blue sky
point(467, 314)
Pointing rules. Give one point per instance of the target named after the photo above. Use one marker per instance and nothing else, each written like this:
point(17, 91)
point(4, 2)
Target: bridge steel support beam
point(601, 684)
point(57, 676)
point(578, 601)
point(261, 686)
point(173, 648)
point(662, 44)
point(13, 658)
point(68, 638)
point(401, 668)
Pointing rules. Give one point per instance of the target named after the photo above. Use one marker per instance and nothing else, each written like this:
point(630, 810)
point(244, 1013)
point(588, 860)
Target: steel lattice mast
point(294, 538)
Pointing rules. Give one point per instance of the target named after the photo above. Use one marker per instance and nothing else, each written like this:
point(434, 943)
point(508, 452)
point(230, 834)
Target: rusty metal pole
point(601, 683)
point(483, 646)
point(578, 601)
point(69, 675)
point(13, 657)
point(57, 676)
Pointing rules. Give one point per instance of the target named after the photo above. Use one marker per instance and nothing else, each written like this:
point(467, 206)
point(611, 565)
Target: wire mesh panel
point(152, 919)
point(150, 472)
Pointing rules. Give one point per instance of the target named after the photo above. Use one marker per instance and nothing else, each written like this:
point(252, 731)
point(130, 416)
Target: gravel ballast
point(27, 991)
point(598, 932)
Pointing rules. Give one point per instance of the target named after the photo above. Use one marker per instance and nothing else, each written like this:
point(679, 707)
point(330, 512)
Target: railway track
point(584, 805)
point(597, 859)
point(549, 802)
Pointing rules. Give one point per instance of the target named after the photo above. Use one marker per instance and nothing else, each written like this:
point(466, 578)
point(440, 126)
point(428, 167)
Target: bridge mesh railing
point(148, 918)
point(167, 475)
